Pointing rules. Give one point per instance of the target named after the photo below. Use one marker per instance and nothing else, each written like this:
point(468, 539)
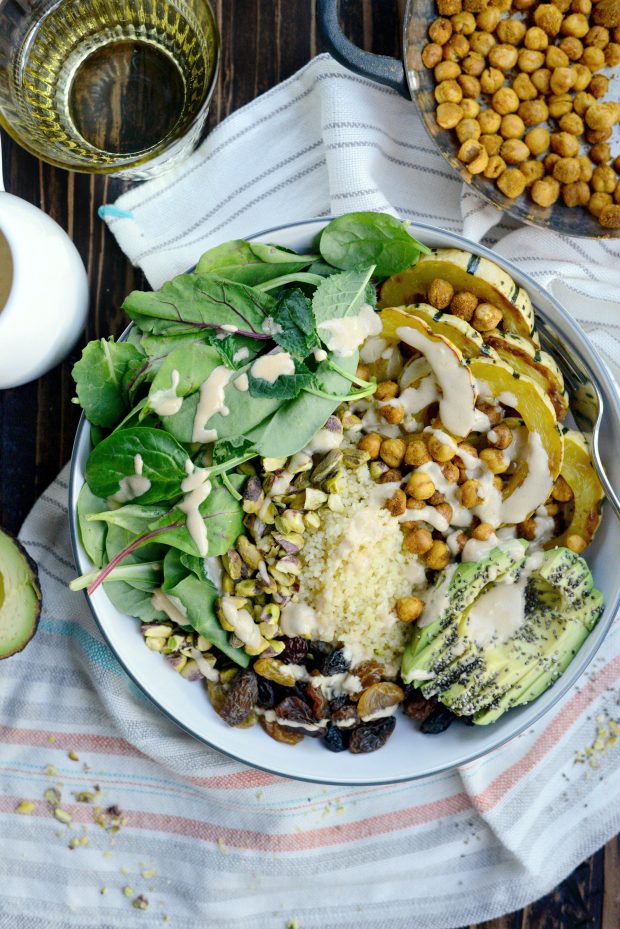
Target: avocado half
point(20, 596)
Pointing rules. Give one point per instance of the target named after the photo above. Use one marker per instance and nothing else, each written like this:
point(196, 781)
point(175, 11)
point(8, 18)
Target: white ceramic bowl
point(408, 754)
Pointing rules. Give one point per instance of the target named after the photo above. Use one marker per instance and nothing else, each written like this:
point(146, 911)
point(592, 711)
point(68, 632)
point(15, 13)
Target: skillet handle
point(381, 68)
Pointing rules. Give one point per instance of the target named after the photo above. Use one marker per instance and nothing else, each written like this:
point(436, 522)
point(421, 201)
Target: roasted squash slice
point(464, 271)
point(534, 407)
point(469, 342)
point(521, 355)
point(581, 477)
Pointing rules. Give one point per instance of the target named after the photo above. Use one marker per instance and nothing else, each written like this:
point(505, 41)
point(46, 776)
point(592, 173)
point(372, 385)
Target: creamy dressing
point(345, 335)
point(229, 327)
point(324, 441)
point(134, 485)
point(242, 382)
point(242, 622)
point(456, 406)
point(171, 606)
point(319, 354)
point(298, 619)
point(196, 487)
point(241, 355)
point(497, 614)
point(536, 485)
point(165, 402)
point(507, 398)
point(213, 568)
point(380, 714)
point(414, 370)
point(205, 667)
point(270, 367)
point(271, 327)
point(210, 403)
point(373, 349)
point(437, 600)
point(414, 399)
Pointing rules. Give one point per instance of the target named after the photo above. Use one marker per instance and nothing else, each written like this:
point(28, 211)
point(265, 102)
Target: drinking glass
point(107, 86)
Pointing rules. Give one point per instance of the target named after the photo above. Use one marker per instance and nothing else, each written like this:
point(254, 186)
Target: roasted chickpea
point(470, 108)
point(581, 6)
point(370, 443)
point(541, 79)
point(572, 123)
point(512, 127)
point(565, 144)
point(463, 305)
point(468, 129)
point(491, 80)
point(600, 153)
point(475, 6)
point(603, 179)
point(538, 140)
point(511, 31)
point(617, 164)
point(576, 24)
point(474, 155)
point(593, 137)
point(440, 31)
point(490, 121)
point(562, 5)
point(440, 293)
point(533, 112)
point(446, 71)
point(448, 115)
point(449, 7)
point(562, 79)
point(523, 5)
point(598, 202)
point(609, 217)
point(617, 193)
point(616, 34)
point(601, 116)
point(469, 85)
point(598, 36)
point(529, 60)
point(523, 87)
point(577, 194)
point(505, 101)
point(583, 76)
point(556, 58)
point(494, 167)
point(473, 64)
point(464, 23)
point(545, 192)
point(488, 19)
point(514, 151)
point(503, 57)
point(559, 104)
point(448, 92)
point(548, 17)
point(612, 54)
point(532, 170)
point(438, 555)
point(582, 101)
point(492, 143)
point(593, 58)
point(456, 48)
point(536, 39)
point(418, 541)
point(586, 169)
point(431, 54)
point(598, 86)
point(511, 182)
point(481, 42)
point(566, 170)
point(572, 48)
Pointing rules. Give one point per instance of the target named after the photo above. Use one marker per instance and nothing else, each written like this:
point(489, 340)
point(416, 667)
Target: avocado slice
point(20, 596)
point(504, 641)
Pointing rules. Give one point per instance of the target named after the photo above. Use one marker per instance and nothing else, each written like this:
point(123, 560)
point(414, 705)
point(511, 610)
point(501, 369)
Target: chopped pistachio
point(273, 464)
point(335, 503)
point(328, 466)
point(73, 756)
point(141, 903)
point(233, 564)
point(128, 891)
point(312, 520)
point(247, 588)
point(156, 644)
point(221, 844)
point(156, 629)
point(148, 873)
point(249, 552)
point(289, 564)
point(103, 891)
point(355, 457)
point(50, 770)
point(51, 738)
point(177, 662)
point(203, 644)
point(314, 499)
point(62, 816)
point(52, 795)
point(25, 807)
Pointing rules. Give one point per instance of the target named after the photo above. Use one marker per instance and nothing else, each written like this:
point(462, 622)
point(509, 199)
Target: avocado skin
point(15, 559)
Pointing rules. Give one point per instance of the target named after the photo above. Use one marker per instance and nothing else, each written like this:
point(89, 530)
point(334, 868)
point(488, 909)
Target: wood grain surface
point(263, 42)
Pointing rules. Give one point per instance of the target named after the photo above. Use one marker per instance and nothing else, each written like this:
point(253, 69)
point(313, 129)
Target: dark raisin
point(318, 701)
point(317, 652)
point(280, 734)
point(336, 740)
point(369, 672)
point(240, 698)
point(296, 710)
point(335, 663)
point(295, 650)
point(266, 693)
point(345, 714)
point(370, 736)
point(338, 702)
point(417, 707)
point(438, 721)
point(300, 690)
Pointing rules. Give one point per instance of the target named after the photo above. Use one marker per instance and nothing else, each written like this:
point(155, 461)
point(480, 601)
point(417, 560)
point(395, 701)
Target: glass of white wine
point(107, 86)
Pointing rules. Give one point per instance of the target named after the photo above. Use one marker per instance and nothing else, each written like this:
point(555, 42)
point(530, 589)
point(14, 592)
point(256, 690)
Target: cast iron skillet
point(412, 80)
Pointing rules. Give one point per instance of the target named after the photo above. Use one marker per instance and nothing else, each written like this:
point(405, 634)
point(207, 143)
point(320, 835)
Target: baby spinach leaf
point(274, 254)
point(238, 261)
point(133, 602)
point(293, 316)
point(193, 364)
point(198, 598)
point(341, 295)
point(357, 240)
point(133, 517)
point(99, 377)
point(174, 569)
point(297, 421)
point(235, 447)
point(197, 566)
point(200, 302)
point(163, 461)
point(158, 346)
point(321, 268)
point(92, 535)
point(285, 387)
point(236, 350)
point(223, 517)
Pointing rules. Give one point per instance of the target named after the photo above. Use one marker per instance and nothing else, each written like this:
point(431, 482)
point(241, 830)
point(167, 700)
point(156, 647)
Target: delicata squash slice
point(524, 358)
point(464, 271)
point(469, 342)
point(588, 493)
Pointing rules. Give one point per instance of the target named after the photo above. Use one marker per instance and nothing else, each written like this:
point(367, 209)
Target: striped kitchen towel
point(175, 832)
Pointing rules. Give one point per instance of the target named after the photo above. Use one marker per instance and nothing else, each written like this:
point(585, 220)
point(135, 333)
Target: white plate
point(408, 754)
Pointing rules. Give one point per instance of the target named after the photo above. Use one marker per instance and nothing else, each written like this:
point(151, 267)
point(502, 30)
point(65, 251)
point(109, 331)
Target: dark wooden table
point(263, 42)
